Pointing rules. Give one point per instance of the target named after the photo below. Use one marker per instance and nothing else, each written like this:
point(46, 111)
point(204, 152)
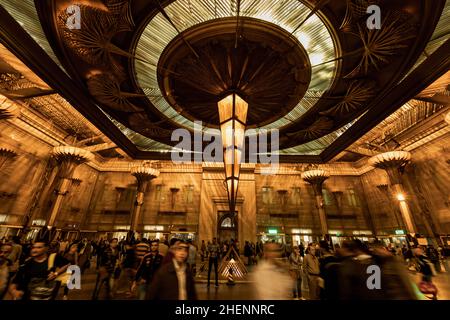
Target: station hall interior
point(263, 124)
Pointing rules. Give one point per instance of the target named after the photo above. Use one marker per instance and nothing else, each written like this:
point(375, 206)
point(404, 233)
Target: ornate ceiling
point(312, 69)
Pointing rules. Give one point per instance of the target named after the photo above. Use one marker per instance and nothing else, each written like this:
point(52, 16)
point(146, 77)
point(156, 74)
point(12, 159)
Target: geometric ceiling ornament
point(358, 93)
point(106, 89)
point(268, 68)
point(380, 45)
point(191, 23)
point(92, 42)
point(153, 67)
point(314, 131)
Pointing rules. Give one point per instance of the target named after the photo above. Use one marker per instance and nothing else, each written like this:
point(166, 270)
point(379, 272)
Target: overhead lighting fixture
point(233, 116)
point(401, 197)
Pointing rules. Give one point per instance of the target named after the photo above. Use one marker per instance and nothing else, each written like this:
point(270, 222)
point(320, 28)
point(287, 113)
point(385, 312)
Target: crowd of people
point(345, 272)
point(153, 269)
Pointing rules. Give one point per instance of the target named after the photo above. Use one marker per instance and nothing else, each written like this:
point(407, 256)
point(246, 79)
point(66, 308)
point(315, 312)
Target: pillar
point(143, 175)
point(316, 179)
point(393, 162)
point(68, 158)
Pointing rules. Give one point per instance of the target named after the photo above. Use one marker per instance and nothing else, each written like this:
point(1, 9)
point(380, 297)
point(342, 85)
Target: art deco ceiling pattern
point(310, 68)
point(418, 121)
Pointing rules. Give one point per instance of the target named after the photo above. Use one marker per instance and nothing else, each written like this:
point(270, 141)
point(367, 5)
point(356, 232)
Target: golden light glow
point(233, 115)
point(401, 197)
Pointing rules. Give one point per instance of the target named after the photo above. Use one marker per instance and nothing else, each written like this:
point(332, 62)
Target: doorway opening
point(227, 228)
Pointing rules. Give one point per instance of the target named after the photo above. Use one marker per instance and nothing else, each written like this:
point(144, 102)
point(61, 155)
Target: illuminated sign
point(301, 231)
point(153, 228)
point(399, 232)
point(273, 231)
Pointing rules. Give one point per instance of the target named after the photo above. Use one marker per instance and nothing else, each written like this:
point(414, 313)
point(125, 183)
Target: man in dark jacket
point(108, 265)
point(174, 281)
point(147, 269)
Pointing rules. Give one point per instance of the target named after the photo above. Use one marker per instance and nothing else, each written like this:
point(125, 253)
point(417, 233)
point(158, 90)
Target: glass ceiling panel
point(440, 35)
point(288, 14)
point(24, 12)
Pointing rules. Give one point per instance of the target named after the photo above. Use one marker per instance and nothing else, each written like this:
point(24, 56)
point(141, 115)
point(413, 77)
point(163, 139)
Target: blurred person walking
point(174, 280)
point(108, 265)
point(203, 250)
point(15, 255)
point(129, 263)
point(295, 270)
point(326, 259)
point(311, 268)
point(426, 268)
point(36, 278)
point(192, 257)
point(72, 257)
point(5, 265)
point(271, 279)
point(248, 252)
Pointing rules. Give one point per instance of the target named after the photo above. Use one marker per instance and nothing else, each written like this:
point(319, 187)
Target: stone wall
point(193, 197)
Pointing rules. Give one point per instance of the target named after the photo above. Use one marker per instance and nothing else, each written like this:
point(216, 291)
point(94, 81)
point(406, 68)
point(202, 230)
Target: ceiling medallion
point(291, 43)
point(268, 67)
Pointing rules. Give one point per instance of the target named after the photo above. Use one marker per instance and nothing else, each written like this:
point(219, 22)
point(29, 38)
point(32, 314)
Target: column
point(393, 162)
point(143, 175)
point(384, 188)
point(68, 159)
point(316, 178)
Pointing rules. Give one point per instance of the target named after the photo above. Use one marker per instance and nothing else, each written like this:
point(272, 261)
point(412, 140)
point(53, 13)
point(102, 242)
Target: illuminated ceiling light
point(233, 116)
point(401, 197)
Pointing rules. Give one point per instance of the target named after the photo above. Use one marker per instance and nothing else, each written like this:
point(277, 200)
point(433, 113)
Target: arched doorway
point(227, 228)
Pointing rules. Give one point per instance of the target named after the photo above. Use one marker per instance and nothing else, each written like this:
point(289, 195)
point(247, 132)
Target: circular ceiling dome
point(173, 58)
point(261, 62)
